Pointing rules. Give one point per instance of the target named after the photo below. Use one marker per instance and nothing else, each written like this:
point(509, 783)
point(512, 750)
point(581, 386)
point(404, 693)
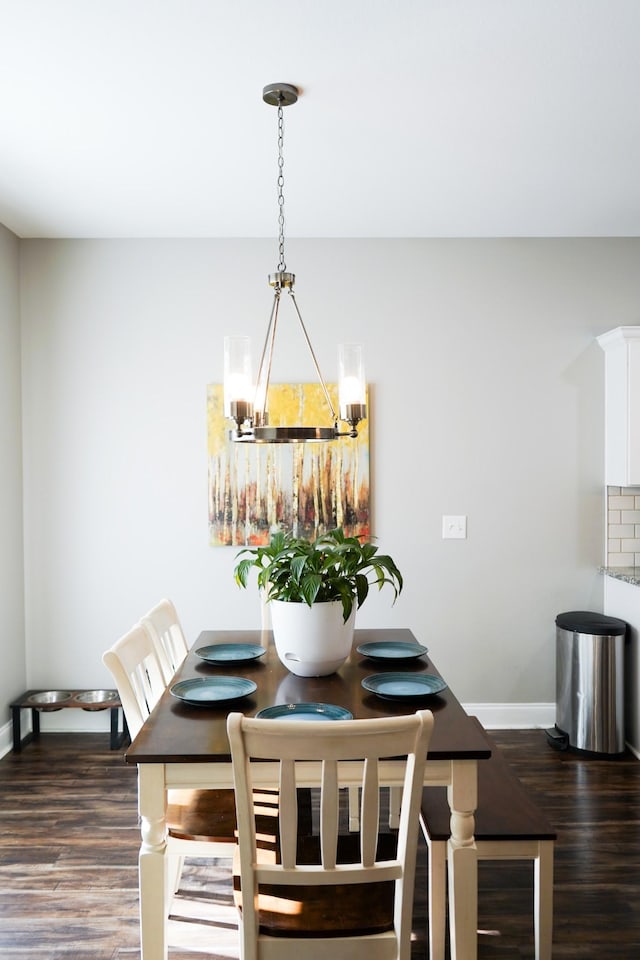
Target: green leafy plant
point(332, 567)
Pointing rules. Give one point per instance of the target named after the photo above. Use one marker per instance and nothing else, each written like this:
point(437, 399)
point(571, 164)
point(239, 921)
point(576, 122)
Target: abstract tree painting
point(307, 488)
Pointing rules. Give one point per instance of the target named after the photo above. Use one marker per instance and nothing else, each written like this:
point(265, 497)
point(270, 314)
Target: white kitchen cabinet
point(622, 406)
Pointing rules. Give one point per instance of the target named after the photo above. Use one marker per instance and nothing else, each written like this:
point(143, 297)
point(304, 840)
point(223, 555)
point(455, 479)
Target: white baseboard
point(6, 738)
point(513, 716)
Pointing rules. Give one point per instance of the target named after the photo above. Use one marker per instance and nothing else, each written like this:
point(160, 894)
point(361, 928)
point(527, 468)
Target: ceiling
point(418, 118)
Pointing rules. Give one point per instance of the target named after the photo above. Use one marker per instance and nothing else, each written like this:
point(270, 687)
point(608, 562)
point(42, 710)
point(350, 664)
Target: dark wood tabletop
point(177, 732)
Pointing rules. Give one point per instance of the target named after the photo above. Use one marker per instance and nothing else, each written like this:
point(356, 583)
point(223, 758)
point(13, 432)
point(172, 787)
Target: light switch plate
point(454, 528)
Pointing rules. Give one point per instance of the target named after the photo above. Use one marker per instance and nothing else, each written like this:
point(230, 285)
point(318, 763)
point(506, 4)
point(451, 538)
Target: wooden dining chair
point(349, 893)
point(163, 624)
point(200, 823)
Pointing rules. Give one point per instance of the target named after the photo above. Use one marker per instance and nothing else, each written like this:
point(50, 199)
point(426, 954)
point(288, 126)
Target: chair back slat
point(329, 814)
point(369, 813)
point(288, 813)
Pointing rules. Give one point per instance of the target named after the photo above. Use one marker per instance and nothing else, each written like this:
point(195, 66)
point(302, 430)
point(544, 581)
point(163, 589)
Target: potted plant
point(314, 589)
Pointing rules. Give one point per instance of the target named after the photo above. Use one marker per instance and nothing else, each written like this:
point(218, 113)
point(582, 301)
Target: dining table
point(183, 744)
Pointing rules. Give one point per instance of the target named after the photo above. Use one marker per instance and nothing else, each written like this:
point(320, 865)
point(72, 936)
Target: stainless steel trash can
point(590, 681)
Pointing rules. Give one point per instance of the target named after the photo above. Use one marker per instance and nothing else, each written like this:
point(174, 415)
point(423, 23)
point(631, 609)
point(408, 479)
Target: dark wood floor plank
point(69, 843)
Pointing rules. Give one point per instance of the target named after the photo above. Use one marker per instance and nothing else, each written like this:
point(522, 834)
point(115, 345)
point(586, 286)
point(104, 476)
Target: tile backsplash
point(623, 527)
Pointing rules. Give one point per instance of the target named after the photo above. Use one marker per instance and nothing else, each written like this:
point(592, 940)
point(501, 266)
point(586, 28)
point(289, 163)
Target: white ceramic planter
point(311, 641)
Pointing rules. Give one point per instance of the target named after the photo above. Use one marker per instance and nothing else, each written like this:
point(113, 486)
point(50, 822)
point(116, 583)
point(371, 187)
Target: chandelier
point(246, 402)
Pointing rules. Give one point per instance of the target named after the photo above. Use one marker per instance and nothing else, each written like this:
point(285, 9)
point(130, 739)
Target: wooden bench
point(508, 826)
point(46, 701)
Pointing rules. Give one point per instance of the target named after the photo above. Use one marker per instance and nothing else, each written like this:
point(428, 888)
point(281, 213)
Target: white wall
point(623, 600)
point(12, 643)
point(487, 390)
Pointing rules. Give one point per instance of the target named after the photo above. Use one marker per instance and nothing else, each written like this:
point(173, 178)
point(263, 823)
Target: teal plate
point(391, 650)
point(304, 711)
point(204, 691)
point(403, 686)
point(230, 652)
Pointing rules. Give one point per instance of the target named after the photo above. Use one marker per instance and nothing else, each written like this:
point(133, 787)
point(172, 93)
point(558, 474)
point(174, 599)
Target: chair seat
point(324, 911)
point(209, 816)
point(204, 815)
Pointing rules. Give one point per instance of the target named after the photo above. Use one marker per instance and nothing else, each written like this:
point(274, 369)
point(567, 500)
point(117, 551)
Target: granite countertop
point(628, 574)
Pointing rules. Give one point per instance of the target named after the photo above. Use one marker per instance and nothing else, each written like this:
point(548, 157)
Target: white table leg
point(463, 862)
point(543, 900)
point(153, 862)
point(437, 898)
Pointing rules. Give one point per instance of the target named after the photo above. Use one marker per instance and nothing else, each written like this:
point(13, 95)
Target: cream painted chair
point(200, 823)
point(321, 898)
point(163, 624)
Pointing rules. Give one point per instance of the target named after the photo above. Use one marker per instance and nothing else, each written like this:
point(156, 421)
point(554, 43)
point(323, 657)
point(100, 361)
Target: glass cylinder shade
point(352, 385)
point(238, 383)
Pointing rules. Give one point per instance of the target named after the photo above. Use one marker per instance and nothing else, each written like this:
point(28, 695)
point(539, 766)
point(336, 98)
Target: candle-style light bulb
point(238, 383)
point(352, 385)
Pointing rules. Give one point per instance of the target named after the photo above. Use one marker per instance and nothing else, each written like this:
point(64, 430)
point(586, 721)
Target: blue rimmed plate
point(403, 686)
point(230, 652)
point(391, 650)
point(304, 711)
point(205, 691)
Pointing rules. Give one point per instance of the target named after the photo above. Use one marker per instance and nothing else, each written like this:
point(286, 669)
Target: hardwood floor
point(69, 841)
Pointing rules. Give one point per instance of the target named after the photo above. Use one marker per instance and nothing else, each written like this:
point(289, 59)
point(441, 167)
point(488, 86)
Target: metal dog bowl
point(49, 699)
point(97, 699)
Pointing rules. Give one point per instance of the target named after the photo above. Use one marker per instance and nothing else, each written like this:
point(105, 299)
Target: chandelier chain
point(281, 262)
